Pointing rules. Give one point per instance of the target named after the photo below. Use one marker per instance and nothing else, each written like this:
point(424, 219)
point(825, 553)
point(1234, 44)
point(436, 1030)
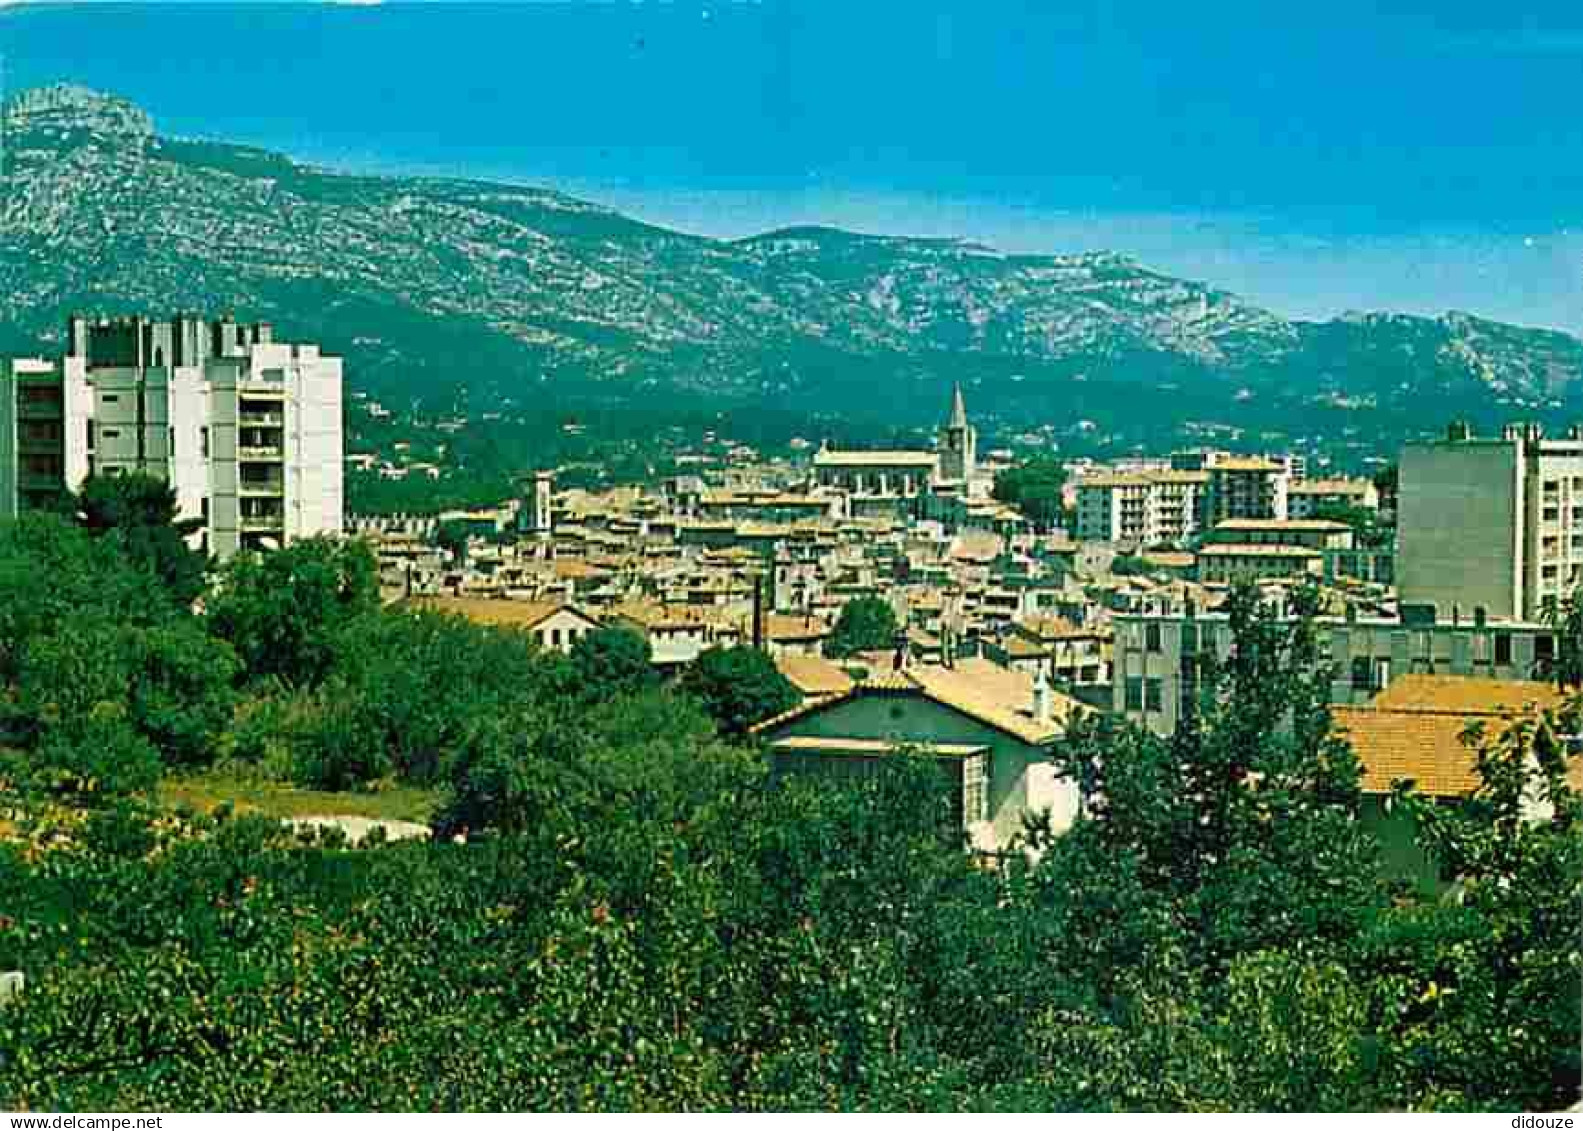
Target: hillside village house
point(555, 627)
point(989, 728)
point(677, 634)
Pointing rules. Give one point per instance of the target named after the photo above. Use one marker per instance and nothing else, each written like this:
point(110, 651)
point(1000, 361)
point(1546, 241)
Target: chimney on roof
point(758, 614)
point(1042, 704)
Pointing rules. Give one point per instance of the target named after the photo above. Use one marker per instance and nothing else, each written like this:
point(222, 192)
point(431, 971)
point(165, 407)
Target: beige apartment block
point(1248, 487)
point(1491, 524)
point(1305, 499)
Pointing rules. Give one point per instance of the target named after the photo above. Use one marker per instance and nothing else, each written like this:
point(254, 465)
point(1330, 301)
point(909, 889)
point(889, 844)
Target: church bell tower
point(958, 442)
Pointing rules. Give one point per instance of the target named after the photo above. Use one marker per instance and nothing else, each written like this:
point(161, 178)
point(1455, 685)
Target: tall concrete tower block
point(250, 438)
point(958, 442)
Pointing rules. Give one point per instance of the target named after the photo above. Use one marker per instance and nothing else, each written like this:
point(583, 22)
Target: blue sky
point(1316, 158)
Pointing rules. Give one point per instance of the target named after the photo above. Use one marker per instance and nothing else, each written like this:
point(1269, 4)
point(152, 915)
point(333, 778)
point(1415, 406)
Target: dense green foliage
point(1129, 565)
point(138, 513)
point(625, 910)
point(866, 624)
point(738, 687)
point(1566, 617)
point(281, 611)
point(1034, 488)
point(613, 661)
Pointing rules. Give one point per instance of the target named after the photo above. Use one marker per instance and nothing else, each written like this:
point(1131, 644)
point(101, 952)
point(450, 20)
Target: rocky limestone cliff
point(431, 285)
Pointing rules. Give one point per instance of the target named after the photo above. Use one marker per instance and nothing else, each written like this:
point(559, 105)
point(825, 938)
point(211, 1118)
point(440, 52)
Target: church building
point(902, 482)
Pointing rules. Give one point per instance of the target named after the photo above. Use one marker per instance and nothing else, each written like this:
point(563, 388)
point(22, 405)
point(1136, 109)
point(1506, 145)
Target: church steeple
point(958, 442)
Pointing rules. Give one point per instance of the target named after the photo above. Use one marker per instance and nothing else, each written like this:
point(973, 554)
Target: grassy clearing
point(276, 799)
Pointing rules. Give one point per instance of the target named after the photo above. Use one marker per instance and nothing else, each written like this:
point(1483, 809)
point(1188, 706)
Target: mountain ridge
point(512, 292)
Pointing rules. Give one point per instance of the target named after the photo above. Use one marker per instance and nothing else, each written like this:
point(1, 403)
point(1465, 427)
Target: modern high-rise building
point(247, 430)
point(1491, 525)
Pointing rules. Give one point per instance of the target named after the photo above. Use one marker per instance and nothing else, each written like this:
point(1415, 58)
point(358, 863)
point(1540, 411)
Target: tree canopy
point(612, 661)
point(1035, 489)
point(138, 513)
point(281, 610)
point(866, 624)
point(738, 687)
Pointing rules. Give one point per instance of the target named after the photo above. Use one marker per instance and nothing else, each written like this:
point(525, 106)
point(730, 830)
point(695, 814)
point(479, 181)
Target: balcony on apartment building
point(269, 485)
point(37, 403)
point(260, 417)
point(258, 517)
point(257, 441)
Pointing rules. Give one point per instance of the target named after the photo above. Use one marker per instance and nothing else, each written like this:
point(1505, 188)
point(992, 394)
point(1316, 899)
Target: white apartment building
point(1491, 524)
point(1145, 508)
point(247, 430)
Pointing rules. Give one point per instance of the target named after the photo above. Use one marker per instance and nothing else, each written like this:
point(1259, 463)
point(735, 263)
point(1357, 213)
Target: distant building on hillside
point(247, 430)
point(1251, 487)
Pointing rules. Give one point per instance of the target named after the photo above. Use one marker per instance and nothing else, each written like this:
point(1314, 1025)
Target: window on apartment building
point(1151, 637)
point(111, 433)
point(203, 441)
point(1189, 640)
point(1362, 673)
point(90, 435)
point(1134, 695)
point(110, 398)
point(1544, 648)
point(1503, 649)
point(1153, 694)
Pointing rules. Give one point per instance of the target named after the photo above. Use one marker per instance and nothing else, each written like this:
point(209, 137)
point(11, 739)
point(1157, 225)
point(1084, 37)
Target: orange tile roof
point(1307, 525)
point(1020, 647)
point(1413, 729)
point(1422, 746)
point(1466, 694)
point(984, 692)
point(1256, 550)
point(1245, 464)
point(576, 570)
